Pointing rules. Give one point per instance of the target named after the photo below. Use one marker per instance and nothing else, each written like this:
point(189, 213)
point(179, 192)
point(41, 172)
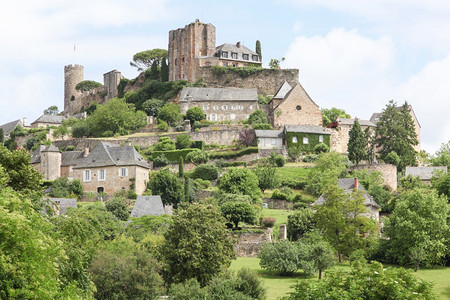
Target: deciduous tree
point(52, 110)
point(168, 186)
point(195, 114)
point(267, 178)
point(237, 211)
point(241, 182)
point(170, 113)
point(331, 114)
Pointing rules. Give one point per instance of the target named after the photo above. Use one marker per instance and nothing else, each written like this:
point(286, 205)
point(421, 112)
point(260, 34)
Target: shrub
point(198, 157)
point(195, 114)
point(280, 161)
point(293, 183)
point(310, 158)
point(234, 154)
point(198, 144)
point(70, 148)
point(258, 117)
point(392, 158)
point(299, 223)
point(202, 184)
point(172, 156)
point(297, 198)
point(299, 205)
point(201, 124)
point(276, 194)
point(281, 257)
point(268, 222)
point(262, 127)
point(183, 141)
point(132, 194)
point(118, 207)
point(205, 172)
point(160, 161)
point(187, 290)
point(162, 126)
point(321, 148)
point(164, 144)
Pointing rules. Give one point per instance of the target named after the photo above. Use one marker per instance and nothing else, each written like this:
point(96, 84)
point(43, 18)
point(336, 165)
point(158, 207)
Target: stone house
point(270, 139)
point(108, 168)
point(61, 205)
point(9, 127)
point(424, 173)
point(350, 185)
point(306, 137)
point(341, 133)
point(48, 120)
point(194, 46)
point(293, 106)
point(220, 104)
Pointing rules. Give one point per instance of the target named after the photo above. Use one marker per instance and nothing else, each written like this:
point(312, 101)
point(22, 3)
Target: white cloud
point(344, 69)
point(297, 26)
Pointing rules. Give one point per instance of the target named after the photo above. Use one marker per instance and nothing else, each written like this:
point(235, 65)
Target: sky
point(353, 55)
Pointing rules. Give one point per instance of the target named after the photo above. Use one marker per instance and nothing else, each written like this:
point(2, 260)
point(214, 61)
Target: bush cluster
point(234, 154)
point(173, 155)
point(294, 183)
point(268, 222)
point(205, 172)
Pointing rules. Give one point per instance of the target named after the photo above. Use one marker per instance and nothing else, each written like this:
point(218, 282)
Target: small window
point(224, 54)
point(255, 57)
point(320, 138)
point(213, 117)
point(225, 64)
point(207, 64)
point(298, 107)
point(245, 56)
point(235, 65)
point(224, 107)
point(101, 175)
point(216, 107)
point(123, 172)
point(205, 107)
point(274, 141)
point(251, 107)
point(234, 55)
point(87, 176)
point(294, 139)
point(176, 61)
point(305, 140)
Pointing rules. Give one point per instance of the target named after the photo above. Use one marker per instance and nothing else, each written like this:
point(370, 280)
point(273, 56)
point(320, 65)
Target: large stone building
point(220, 104)
point(108, 168)
point(194, 46)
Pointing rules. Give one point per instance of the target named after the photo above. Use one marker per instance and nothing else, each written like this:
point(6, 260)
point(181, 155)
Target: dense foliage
point(331, 114)
point(241, 182)
point(356, 144)
point(168, 186)
point(87, 85)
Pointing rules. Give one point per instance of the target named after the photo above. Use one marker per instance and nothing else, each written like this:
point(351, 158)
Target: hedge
point(172, 155)
point(198, 144)
point(234, 154)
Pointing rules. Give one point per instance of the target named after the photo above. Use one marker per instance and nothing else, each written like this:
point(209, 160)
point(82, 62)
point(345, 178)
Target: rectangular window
point(320, 138)
point(215, 107)
point(87, 176)
point(205, 107)
point(101, 175)
point(224, 107)
point(224, 54)
point(274, 141)
point(245, 56)
point(294, 139)
point(213, 117)
point(255, 57)
point(305, 140)
point(123, 172)
point(234, 55)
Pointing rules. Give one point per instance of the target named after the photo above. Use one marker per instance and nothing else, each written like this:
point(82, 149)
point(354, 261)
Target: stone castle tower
point(188, 44)
point(50, 164)
point(111, 80)
point(73, 74)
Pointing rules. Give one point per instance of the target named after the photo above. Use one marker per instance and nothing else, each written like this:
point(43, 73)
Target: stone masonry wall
point(268, 81)
point(248, 244)
point(388, 173)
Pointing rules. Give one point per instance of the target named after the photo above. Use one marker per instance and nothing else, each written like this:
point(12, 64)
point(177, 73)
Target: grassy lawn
point(280, 214)
point(278, 286)
point(293, 172)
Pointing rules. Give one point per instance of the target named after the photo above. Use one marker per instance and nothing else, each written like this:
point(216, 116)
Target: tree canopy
point(331, 114)
point(87, 85)
point(241, 182)
point(168, 186)
point(356, 144)
point(144, 59)
point(52, 110)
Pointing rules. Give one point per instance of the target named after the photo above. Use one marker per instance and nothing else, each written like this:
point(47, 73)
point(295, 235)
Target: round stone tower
point(73, 74)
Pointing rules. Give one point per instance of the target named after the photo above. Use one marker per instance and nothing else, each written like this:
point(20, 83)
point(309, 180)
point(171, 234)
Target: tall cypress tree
point(181, 168)
point(2, 136)
point(356, 144)
point(164, 71)
point(258, 49)
point(154, 73)
point(186, 190)
point(396, 132)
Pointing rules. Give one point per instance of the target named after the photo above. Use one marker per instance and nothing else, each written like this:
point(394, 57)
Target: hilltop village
point(205, 133)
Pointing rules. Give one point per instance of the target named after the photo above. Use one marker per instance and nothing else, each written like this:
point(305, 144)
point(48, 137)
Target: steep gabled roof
point(424, 173)
point(71, 158)
point(147, 206)
point(269, 133)
point(217, 94)
point(297, 86)
point(36, 154)
point(282, 91)
point(50, 119)
point(8, 127)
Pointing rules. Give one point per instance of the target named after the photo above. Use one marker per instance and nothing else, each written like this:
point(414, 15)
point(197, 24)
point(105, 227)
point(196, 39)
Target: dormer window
point(234, 55)
point(224, 54)
point(245, 56)
point(255, 57)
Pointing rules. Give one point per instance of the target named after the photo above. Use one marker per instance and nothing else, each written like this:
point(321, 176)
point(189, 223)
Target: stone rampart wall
point(388, 173)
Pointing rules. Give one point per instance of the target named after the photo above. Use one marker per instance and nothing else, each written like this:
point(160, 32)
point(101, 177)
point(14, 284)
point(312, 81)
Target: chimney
point(25, 122)
point(86, 152)
point(128, 143)
point(356, 185)
point(238, 44)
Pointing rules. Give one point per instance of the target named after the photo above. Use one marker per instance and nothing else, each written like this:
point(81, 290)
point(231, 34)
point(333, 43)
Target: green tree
point(419, 218)
point(258, 49)
point(384, 283)
point(395, 132)
point(195, 114)
point(151, 106)
point(144, 59)
point(258, 117)
point(181, 168)
point(165, 143)
point(316, 254)
point(241, 182)
point(266, 175)
point(2, 136)
point(170, 113)
point(237, 211)
point(331, 114)
point(154, 72)
point(393, 158)
point(281, 257)
point(356, 144)
point(300, 223)
point(86, 85)
point(198, 157)
point(122, 270)
point(164, 71)
point(168, 186)
point(52, 110)
point(118, 207)
point(442, 156)
point(340, 219)
point(183, 141)
point(275, 63)
point(196, 245)
point(442, 184)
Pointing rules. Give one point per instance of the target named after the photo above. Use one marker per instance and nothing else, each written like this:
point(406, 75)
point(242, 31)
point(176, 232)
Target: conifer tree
point(258, 49)
point(356, 144)
point(154, 73)
point(164, 71)
point(181, 168)
point(186, 189)
point(2, 136)
point(396, 132)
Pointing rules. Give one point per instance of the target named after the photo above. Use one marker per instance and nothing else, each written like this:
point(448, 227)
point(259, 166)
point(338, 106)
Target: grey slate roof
point(147, 206)
point(62, 204)
point(424, 173)
point(239, 50)
point(284, 89)
point(71, 158)
point(36, 154)
point(50, 119)
point(305, 129)
point(8, 127)
point(106, 154)
point(269, 133)
point(343, 121)
point(348, 185)
point(217, 94)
